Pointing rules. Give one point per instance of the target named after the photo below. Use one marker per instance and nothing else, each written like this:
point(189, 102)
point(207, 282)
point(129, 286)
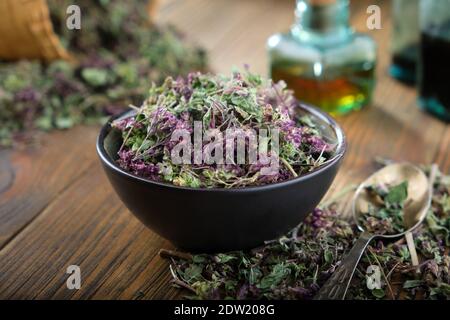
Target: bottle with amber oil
point(322, 59)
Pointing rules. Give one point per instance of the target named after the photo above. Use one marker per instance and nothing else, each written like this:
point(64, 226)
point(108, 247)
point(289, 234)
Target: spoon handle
point(336, 286)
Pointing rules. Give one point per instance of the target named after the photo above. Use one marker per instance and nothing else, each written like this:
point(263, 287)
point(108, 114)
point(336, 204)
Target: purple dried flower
point(144, 169)
point(301, 293)
point(280, 98)
point(214, 294)
point(64, 86)
point(127, 123)
point(183, 87)
point(163, 120)
point(193, 77)
point(28, 95)
point(243, 104)
point(430, 266)
point(242, 292)
point(137, 166)
point(125, 157)
point(317, 144)
point(96, 61)
point(292, 132)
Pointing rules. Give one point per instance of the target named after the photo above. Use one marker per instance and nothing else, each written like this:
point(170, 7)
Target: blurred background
point(42, 189)
point(338, 55)
point(236, 32)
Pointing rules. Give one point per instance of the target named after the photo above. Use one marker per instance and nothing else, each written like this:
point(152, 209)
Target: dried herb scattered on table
point(243, 101)
point(119, 55)
point(296, 265)
point(387, 216)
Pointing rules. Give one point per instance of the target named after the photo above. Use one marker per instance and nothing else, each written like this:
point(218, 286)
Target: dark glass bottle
point(322, 59)
point(405, 40)
point(434, 67)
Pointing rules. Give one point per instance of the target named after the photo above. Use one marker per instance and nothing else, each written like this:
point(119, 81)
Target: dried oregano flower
point(227, 108)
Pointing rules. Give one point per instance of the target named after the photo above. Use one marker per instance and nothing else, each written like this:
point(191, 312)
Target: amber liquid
point(336, 96)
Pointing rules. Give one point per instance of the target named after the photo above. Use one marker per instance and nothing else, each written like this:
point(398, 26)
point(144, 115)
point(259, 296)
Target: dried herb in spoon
point(387, 216)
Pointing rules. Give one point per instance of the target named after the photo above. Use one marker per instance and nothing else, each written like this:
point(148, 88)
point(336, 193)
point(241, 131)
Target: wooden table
point(58, 209)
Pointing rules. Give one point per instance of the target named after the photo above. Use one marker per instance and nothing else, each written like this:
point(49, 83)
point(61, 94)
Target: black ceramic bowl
point(211, 220)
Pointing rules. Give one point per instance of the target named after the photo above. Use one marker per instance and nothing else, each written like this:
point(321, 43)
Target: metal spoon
point(415, 210)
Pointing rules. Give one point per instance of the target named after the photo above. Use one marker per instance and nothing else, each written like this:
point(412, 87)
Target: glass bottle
point(322, 59)
point(405, 40)
point(434, 66)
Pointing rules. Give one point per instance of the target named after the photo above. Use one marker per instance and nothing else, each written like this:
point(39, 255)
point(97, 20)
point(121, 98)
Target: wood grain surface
point(57, 208)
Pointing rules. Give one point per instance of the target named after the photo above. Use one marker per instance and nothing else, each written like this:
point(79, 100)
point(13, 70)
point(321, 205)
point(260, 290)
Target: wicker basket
point(26, 31)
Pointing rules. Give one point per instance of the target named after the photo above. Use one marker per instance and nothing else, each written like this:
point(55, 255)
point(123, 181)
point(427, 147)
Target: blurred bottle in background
point(322, 59)
point(405, 40)
point(434, 67)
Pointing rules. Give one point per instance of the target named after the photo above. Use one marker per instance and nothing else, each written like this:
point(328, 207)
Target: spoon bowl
point(416, 204)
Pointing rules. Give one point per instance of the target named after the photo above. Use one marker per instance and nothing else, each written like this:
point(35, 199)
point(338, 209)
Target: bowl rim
point(341, 149)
